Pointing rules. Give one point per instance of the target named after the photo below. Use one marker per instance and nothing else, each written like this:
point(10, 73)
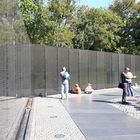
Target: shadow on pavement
point(110, 95)
point(103, 101)
point(118, 102)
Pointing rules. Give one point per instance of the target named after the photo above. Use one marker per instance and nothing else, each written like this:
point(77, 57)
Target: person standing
point(124, 80)
point(64, 77)
point(130, 91)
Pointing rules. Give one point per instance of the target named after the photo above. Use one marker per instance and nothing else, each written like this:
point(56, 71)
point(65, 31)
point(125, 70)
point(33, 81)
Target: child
point(89, 89)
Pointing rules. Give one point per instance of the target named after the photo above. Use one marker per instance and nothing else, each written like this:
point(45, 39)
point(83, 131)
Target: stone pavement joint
point(50, 121)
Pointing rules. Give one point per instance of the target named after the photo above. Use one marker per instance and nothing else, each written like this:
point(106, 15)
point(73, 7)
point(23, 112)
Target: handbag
point(120, 85)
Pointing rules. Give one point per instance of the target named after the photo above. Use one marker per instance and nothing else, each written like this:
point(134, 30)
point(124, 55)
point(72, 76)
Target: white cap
point(64, 69)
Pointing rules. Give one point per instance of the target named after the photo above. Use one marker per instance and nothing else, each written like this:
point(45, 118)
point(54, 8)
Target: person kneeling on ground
point(76, 89)
point(89, 89)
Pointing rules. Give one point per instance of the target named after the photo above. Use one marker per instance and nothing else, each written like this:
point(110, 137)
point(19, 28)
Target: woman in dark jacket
point(124, 80)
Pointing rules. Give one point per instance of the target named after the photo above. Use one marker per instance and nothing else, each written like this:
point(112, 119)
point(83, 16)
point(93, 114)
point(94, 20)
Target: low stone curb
point(16, 124)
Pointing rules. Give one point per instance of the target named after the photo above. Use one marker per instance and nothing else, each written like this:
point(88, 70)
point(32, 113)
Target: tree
point(134, 32)
point(123, 7)
point(61, 12)
point(99, 29)
point(36, 20)
point(128, 11)
point(79, 25)
point(48, 25)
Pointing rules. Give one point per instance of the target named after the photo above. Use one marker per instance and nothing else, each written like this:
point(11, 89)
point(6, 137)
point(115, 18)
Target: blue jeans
point(129, 88)
point(64, 90)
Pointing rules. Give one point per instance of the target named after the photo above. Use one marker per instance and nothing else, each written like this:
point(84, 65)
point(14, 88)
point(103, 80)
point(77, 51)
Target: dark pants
point(125, 92)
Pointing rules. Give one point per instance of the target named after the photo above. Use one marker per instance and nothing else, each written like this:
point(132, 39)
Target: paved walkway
point(99, 116)
point(99, 120)
point(11, 112)
point(50, 121)
point(132, 108)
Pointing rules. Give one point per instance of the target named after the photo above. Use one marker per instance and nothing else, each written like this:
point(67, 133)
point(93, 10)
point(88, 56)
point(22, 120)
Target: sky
point(97, 3)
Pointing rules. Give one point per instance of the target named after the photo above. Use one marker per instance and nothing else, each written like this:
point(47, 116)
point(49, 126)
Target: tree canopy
point(62, 23)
